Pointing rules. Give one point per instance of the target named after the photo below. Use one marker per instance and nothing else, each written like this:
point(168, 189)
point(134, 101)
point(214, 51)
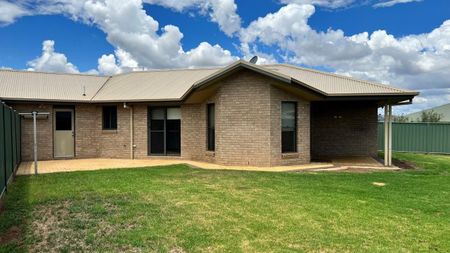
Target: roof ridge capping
point(110, 76)
point(51, 73)
point(347, 78)
point(167, 70)
point(245, 64)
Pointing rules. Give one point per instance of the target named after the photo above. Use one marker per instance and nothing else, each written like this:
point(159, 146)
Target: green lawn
point(180, 209)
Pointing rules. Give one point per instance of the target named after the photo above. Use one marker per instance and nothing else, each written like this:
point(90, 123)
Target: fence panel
point(10, 149)
point(417, 137)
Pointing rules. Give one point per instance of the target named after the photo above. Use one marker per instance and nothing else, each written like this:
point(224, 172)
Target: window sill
point(109, 131)
point(210, 153)
point(292, 155)
point(162, 156)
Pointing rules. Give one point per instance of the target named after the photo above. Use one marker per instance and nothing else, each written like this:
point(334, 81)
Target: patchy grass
point(179, 209)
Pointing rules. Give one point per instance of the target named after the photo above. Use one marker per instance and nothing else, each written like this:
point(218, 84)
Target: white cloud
point(135, 33)
point(223, 12)
point(332, 4)
point(415, 61)
point(51, 61)
point(109, 65)
point(10, 12)
point(129, 28)
point(393, 2)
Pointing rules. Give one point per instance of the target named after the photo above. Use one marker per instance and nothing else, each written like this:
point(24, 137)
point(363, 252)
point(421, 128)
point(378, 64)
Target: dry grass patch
point(74, 226)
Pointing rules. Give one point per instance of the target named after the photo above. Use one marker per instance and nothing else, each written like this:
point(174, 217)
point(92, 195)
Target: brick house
point(241, 114)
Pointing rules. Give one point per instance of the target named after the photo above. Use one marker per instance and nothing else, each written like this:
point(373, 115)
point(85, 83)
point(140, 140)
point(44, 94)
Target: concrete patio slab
point(356, 161)
point(53, 166)
point(357, 164)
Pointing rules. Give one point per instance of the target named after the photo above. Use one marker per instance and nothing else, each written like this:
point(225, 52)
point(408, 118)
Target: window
point(288, 127)
point(109, 117)
point(63, 120)
point(211, 127)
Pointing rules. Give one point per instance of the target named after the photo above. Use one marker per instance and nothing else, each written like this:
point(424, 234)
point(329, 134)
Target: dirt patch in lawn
point(177, 250)
point(73, 227)
point(13, 234)
point(404, 164)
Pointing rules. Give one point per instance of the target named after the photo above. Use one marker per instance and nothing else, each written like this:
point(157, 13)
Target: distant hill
point(443, 109)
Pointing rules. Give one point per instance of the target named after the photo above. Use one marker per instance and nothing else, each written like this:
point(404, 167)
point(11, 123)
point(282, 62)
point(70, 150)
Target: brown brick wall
point(248, 132)
point(193, 132)
point(86, 131)
point(115, 143)
point(243, 120)
point(90, 139)
point(140, 131)
point(44, 132)
point(343, 129)
point(303, 129)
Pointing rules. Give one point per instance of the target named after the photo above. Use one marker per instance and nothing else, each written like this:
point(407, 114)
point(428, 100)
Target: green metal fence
point(10, 134)
point(417, 137)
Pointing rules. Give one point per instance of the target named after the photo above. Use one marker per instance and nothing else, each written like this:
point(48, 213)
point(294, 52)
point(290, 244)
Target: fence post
point(427, 141)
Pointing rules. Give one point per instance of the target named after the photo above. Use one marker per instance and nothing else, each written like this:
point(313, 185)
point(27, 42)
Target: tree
point(430, 116)
point(400, 118)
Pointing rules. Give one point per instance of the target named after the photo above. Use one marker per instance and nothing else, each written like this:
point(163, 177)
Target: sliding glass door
point(164, 131)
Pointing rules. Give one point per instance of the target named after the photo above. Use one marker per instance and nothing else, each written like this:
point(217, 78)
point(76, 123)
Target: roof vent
point(84, 91)
point(254, 59)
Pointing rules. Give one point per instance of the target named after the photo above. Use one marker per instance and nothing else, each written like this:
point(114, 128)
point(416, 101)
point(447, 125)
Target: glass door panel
point(165, 131)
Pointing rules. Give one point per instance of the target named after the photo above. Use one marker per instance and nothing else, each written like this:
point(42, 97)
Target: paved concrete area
point(52, 166)
point(357, 164)
point(356, 161)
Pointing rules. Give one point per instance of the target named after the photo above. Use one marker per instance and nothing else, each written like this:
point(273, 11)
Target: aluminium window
point(109, 117)
point(288, 127)
point(211, 118)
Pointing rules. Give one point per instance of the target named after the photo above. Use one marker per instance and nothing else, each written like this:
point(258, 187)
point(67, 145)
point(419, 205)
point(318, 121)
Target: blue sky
point(318, 34)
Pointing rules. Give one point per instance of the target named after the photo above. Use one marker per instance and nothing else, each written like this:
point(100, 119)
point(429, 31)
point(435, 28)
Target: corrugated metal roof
point(30, 85)
point(335, 85)
point(170, 85)
point(151, 85)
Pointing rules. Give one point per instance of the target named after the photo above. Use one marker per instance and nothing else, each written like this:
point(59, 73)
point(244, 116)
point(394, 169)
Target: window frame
point(110, 120)
point(295, 150)
point(210, 130)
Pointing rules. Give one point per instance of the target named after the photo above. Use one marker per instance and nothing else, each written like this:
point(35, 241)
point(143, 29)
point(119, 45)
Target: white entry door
point(63, 138)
